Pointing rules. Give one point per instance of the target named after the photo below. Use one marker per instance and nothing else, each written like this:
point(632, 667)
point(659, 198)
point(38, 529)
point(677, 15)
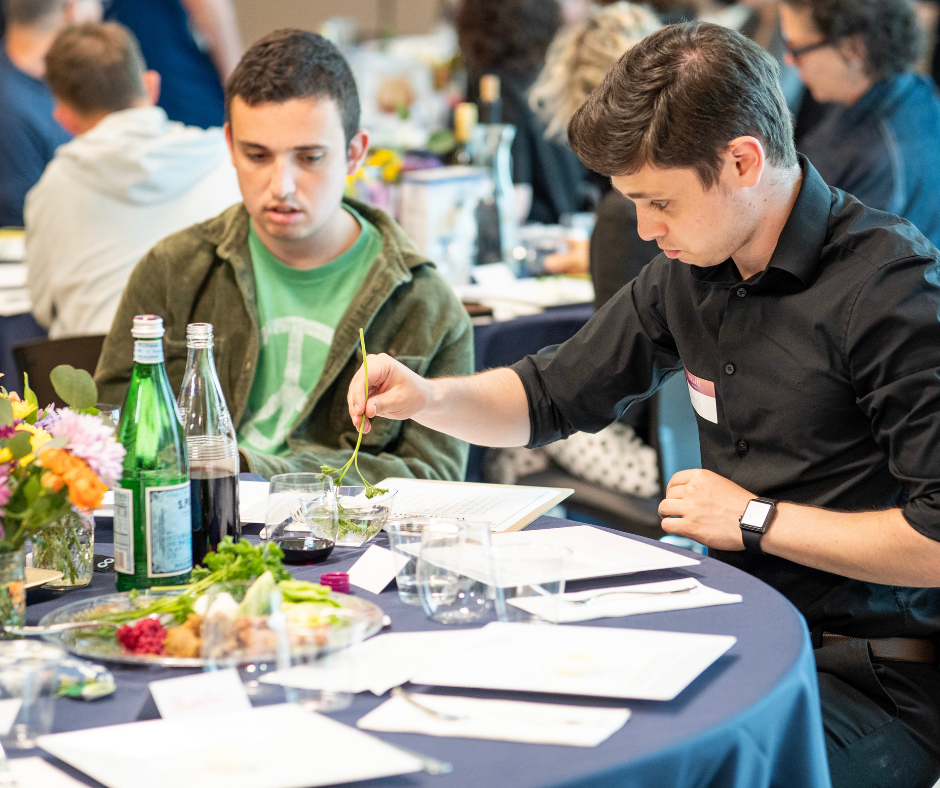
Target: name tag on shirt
point(702, 393)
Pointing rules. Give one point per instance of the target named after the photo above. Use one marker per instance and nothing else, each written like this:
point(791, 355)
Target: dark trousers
point(882, 719)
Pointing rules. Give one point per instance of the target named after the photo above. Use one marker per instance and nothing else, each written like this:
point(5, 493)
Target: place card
point(34, 772)
point(376, 568)
point(200, 695)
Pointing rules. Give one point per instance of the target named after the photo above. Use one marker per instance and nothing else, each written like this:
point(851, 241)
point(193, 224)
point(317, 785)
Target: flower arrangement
point(53, 461)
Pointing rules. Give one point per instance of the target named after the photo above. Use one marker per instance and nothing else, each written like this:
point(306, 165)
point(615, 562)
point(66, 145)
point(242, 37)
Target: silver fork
point(691, 586)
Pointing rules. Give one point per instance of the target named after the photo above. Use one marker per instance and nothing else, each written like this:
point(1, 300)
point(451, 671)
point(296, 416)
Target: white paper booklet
point(504, 507)
point(599, 661)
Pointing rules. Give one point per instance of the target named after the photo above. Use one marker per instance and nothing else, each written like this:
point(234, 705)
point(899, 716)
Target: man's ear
point(151, 81)
point(68, 118)
point(746, 158)
point(854, 52)
point(227, 128)
point(356, 151)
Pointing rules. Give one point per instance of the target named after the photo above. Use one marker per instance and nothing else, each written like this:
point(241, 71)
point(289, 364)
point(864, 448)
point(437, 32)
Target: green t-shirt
point(297, 314)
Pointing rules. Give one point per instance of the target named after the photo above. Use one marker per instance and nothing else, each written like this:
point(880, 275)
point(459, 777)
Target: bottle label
point(124, 531)
point(148, 351)
point(169, 530)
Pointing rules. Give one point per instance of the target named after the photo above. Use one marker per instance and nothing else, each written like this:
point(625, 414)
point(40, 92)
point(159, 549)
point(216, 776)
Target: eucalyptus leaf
point(19, 444)
point(6, 412)
point(56, 443)
point(75, 386)
point(28, 393)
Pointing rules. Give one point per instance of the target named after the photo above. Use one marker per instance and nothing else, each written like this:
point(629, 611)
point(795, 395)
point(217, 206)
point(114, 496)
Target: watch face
point(755, 515)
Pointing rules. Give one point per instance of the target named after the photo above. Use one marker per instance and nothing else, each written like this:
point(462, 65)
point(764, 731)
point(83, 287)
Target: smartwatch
point(758, 515)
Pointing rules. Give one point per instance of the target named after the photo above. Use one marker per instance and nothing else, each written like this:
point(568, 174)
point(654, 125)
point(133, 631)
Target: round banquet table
point(751, 720)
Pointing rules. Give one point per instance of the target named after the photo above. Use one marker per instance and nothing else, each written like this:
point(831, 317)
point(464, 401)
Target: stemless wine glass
point(454, 571)
point(301, 517)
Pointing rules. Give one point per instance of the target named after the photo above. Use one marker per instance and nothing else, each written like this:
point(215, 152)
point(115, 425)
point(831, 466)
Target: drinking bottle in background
point(152, 518)
point(211, 444)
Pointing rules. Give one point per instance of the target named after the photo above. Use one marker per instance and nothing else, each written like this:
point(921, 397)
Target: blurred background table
point(751, 720)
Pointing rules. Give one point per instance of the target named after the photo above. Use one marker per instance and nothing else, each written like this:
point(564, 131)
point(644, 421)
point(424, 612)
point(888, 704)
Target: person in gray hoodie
point(128, 179)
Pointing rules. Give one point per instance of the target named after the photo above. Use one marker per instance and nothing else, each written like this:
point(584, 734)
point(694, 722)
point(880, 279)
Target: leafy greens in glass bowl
point(361, 517)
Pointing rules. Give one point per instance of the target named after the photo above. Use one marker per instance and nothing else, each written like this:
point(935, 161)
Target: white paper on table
point(500, 506)
point(252, 501)
point(200, 695)
point(376, 568)
point(34, 772)
point(605, 662)
point(500, 720)
point(594, 553)
point(378, 664)
point(279, 746)
point(9, 709)
point(631, 604)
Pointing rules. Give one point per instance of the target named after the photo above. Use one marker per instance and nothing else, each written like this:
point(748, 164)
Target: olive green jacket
point(204, 274)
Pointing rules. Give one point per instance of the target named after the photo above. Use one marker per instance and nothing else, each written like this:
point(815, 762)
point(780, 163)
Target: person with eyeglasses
point(879, 139)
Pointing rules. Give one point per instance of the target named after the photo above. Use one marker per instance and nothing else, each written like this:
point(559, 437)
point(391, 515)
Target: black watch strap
point(752, 541)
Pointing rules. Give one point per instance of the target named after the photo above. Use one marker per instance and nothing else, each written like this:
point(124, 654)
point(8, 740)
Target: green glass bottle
point(152, 515)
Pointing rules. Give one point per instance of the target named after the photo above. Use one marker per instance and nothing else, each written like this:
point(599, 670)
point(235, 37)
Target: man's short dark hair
point(295, 64)
point(890, 30)
point(676, 100)
point(510, 34)
point(29, 12)
point(95, 67)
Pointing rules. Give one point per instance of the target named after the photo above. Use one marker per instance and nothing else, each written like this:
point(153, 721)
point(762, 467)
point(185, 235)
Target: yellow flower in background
point(380, 158)
point(5, 455)
point(20, 409)
point(38, 436)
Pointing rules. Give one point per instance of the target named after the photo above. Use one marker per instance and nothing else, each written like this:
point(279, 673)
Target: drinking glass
point(28, 685)
point(360, 518)
point(323, 675)
point(530, 579)
point(243, 628)
point(301, 517)
point(454, 571)
point(407, 534)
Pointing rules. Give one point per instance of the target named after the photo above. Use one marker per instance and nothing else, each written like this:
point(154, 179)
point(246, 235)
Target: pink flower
point(5, 493)
point(92, 440)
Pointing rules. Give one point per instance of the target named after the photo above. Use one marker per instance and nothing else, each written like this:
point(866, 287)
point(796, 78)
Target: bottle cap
point(338, 581)
point(147, 327)
point(199, 335)
point(465, 118)
point(489, 87)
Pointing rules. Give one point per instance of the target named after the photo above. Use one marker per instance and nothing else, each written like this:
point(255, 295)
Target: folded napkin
point(617, 605)
point(36, 773)
point(501, 720)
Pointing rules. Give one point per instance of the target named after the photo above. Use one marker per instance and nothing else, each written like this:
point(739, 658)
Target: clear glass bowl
point(360, 518)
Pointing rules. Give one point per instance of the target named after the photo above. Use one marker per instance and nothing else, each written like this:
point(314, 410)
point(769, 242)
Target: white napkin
point(36, 773)
point(501, 720)
point(617, 605)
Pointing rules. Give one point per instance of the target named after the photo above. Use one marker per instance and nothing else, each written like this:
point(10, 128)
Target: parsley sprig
point(339, 473)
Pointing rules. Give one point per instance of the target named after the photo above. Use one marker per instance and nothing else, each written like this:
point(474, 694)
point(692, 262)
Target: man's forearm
point(489, 409)
point(877, 547)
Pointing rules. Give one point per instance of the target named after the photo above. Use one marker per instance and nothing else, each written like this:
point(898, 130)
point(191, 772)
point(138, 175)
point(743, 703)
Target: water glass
point(404, 538)
point(361, 518)
point(301, 516)
point(323, 673)
point(28, 686)
point(454, 571)
point(530, 579)
point(243, 628)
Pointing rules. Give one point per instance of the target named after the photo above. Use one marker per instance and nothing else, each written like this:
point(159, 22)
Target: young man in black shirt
point(807, 327)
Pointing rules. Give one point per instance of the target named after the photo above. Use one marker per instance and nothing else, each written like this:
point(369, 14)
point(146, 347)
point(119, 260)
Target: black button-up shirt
point(825, 370)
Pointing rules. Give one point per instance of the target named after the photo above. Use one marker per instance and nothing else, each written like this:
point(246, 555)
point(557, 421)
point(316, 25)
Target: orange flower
point(86, 490)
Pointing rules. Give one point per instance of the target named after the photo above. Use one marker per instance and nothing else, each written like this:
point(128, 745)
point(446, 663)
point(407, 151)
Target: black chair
point(38, 359)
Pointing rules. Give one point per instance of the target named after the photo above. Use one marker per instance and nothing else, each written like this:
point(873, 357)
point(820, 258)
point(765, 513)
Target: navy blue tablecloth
point(752, 720)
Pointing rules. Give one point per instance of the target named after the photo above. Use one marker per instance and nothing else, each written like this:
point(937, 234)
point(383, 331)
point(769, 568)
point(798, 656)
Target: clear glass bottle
point(212, 446)
point(152, 518)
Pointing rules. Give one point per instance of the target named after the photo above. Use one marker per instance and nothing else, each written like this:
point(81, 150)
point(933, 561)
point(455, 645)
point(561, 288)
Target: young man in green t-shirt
point(289, 276)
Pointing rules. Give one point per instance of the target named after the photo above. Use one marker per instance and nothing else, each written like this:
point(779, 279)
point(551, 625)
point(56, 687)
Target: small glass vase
point(12, 592)
point(68, 546)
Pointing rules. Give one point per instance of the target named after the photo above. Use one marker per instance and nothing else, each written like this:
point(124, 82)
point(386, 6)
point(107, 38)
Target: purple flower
point(7, 430)
point(92, 440)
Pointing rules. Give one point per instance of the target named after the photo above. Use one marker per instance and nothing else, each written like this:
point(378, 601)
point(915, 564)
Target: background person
point(807, 324)
point(289, 276)
point(28, 133)
point(880, 141)
point(194, 45)
point(509, 38)
point(129, 178)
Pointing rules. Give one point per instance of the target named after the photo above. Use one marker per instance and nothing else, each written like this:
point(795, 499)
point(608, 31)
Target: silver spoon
point(52, 629)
